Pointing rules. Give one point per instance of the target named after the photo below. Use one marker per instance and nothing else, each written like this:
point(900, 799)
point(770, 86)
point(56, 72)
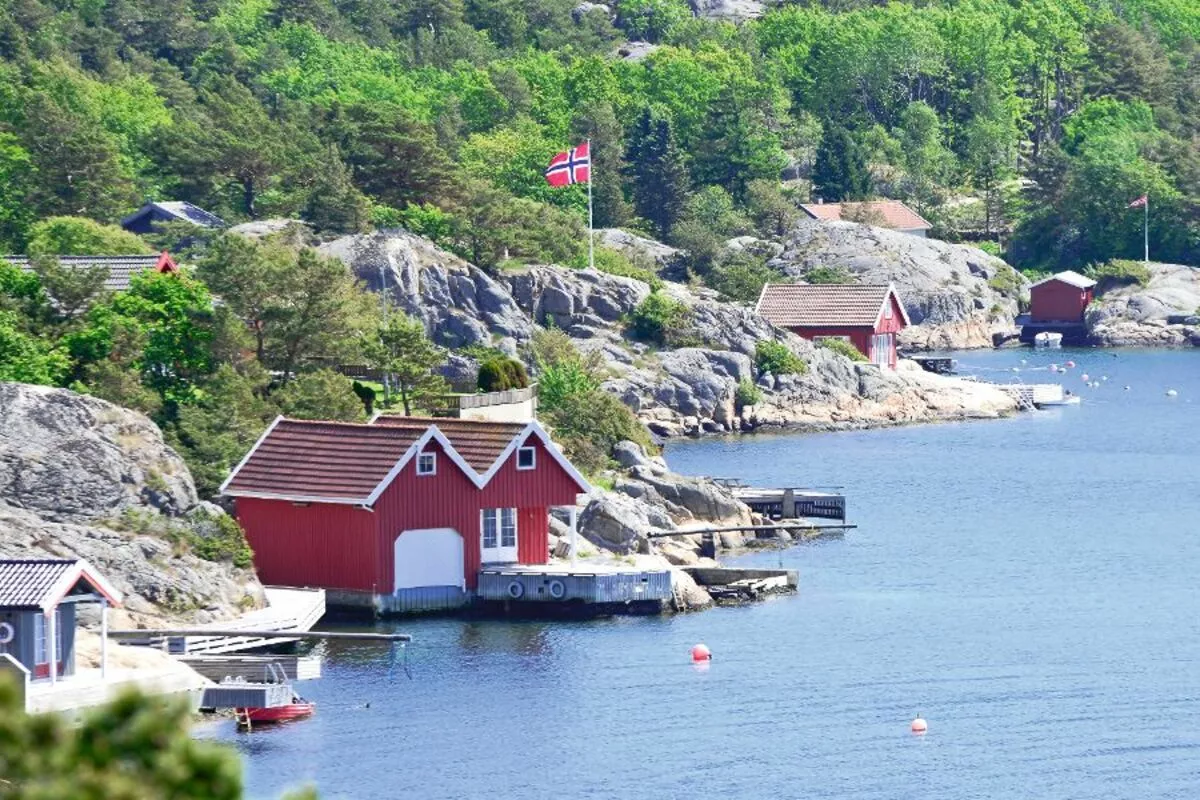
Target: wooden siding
point(1058, 301)
point(859, 336)
point(318, 544)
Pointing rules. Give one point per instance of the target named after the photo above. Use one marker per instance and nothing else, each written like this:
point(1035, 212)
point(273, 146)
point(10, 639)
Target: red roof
point(348, 462)
point(832, 304)
point(891, 213)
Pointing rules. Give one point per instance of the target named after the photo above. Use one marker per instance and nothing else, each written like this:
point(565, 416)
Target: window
point(526, 458)
point(887, 309)
point(427, 464)
point(508, 527)
point(40, 654)
point(490, 528)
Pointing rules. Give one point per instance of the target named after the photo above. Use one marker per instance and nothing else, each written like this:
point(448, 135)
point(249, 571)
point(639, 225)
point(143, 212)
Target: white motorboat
point(1048, 339)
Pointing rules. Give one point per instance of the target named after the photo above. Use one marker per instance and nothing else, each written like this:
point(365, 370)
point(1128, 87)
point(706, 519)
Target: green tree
point(322, 394)
point(926, 159)
point(737, 144)
point(135, 747)
point(77, 236)
point(658, 171)
point(334, 204)
point(840, 172)
point(651, 20)
point(597, 122)
point(403, 351)
point(18, 177)
point(26, 358)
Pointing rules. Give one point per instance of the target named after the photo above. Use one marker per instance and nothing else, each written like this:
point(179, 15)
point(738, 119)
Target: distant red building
point(1063, 297)
point(400, 513)
point(867, 316)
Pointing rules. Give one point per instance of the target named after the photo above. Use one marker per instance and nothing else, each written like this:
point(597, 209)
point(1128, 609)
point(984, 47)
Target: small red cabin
point(401, 512)
point(867, 316)
point(1063, 297)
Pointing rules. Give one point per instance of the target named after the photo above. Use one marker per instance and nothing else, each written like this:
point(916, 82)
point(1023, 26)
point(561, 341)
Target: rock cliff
point(1166, 311)
point(956, 296)
point(83, 477)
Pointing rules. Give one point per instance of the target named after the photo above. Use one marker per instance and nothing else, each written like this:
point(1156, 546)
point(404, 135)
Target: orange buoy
point(919, 725)
point(700, 652)
point(1070, 364)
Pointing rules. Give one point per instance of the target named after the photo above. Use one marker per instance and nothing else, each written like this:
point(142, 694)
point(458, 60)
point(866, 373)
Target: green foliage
point(1119, 272)
point(322, 394)
point(840, 172)
point(747, 394)
point(558, 382)
point(1006, 281)
point(740, 276)
point(212, 537)
point(651, 20)
point(588, 424)
point(615, 262)
point(776, 358)
point(78, 236)
point(27, 359)
point(132, 747)
point(658, 318)
point(501, 374)
point(822, 275)
point(842, 348)
point(403, 350)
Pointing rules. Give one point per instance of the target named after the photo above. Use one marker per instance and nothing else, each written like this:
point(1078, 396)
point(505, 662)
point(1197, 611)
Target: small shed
point(121, 269)
point(1063, 297)
point(883, 213)
point(38, 597)
point(145, 218)
point(865, 315)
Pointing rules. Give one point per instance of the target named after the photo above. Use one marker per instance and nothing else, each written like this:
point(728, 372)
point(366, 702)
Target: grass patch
point(1119, 272)
point(843, 348)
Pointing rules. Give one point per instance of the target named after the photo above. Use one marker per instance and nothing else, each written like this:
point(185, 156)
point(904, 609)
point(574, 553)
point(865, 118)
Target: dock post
point(52, 643)
point(573, 515)
point(103, 638)
point(787, 506)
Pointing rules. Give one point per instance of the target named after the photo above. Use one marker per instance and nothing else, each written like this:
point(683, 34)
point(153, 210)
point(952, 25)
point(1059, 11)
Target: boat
point(299, 708)
point(1048, 339)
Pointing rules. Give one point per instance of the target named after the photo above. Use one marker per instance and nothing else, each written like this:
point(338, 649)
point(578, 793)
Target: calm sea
point(1028, 585)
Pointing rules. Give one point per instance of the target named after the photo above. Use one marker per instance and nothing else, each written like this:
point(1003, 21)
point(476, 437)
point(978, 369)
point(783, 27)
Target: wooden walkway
point(793, 503)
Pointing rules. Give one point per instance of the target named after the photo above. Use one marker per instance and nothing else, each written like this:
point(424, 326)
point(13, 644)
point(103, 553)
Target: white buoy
point(1023, 361)
point(1103, 377)
point(1085, 377)
point(1016, 369)
point(1127, 388)
point(1171, 393)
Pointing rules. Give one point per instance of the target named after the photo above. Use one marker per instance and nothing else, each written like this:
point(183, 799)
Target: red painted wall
point(1058, 301)
point(343, 547)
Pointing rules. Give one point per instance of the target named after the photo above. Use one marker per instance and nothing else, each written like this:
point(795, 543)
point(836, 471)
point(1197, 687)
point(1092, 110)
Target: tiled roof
point(822, 304)
point(180, 210)
point(40, 582)
point(892, 213)
point(1069, 277)
point(336, 460)
point(479, 442)
point(120, 268)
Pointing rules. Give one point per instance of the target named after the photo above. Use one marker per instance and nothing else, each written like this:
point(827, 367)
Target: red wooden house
point(1060, 298)
point(402, 513)
point(867, 316)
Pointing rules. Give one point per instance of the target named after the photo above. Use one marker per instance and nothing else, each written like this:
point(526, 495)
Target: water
point(1028, 585)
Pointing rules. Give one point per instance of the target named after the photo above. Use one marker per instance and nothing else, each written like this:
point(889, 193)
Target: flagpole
point(1145, 226)
point(591, 234)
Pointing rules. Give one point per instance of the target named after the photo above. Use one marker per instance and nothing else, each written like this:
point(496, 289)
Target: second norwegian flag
point(570, 167)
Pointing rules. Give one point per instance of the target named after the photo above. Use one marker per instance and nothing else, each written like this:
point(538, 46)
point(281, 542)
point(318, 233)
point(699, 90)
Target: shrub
point(747, 394)
point(740, 276)
point(559, 382)
point(212, 537)
point(614, 262)
point(501, 374)
point(829, 275)
point(1006, 281)
point(990, 247)
point(775, 358)
point(1119, 272)
point(322, 394)
point(658, 318)
point(588, 424)
point(843, 348)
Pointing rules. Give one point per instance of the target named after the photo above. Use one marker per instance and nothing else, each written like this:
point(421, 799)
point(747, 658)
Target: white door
point(429, 557)
point(498, 536)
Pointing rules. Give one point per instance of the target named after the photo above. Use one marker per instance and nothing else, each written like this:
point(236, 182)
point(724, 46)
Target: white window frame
point(41, 654)
point(532, 452)
point(505, 536)
point(887, 309)
point(426, 468)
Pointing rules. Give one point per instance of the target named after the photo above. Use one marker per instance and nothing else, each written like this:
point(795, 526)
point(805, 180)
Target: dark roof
point(823, 304)
point(178, 210)
point(892, 213)
point(120, 268)
point(1070, 277)
point(33, 583)
point(336, 460)
point(479, 442)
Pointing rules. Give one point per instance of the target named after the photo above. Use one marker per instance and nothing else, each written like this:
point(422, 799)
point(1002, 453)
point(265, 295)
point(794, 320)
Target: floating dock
point(219, 667)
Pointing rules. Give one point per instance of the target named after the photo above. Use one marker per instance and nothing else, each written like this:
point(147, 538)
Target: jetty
point(788, 503)
point(939, 365)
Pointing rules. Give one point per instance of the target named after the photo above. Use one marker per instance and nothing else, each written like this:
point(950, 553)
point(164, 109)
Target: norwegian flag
point(573, 166)
point(1141, 201)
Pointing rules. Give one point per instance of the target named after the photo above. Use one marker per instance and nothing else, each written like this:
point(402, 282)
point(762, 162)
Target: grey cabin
point(145, 218)
point(38, 598)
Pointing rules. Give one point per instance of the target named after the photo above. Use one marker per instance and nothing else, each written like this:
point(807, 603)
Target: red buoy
point(700, 652)
point(919, 725)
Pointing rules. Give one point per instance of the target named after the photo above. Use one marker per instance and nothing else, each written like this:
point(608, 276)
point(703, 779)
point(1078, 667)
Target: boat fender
point(558, 589)
point(516, 590)
point(7, 632)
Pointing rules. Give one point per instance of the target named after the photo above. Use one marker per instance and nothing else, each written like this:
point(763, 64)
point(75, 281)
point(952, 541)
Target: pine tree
point(660, 177)
point(840, 172)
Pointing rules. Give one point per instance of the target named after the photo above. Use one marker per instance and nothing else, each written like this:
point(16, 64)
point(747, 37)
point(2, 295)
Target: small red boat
point(297, 709)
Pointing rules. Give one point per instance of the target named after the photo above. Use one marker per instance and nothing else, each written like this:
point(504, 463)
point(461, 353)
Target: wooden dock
point(288, 611)
point(791, 503)
point(219, 667)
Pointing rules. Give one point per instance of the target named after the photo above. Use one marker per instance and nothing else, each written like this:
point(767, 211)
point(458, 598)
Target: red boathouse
point(867, 316)
point(1062, 297)
point(401, 513)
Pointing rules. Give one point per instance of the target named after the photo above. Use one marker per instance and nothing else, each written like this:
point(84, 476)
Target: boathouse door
point(429, 557)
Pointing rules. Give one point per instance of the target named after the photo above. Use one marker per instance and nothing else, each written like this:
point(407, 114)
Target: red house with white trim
point(399, 514)
point(1062, 297)
point(867, 316)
